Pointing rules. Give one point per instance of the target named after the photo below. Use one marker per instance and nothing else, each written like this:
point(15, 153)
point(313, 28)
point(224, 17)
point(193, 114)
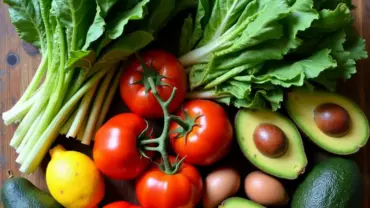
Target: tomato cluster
point(199, 132)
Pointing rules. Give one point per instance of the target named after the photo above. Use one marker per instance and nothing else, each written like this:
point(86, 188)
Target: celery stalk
point(29, 133)
point(39, 150)
point(91, 122)
point(81, 112)
point(108, 100)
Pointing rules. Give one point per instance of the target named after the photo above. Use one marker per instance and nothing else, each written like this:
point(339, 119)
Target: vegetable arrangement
point(246, 53)
point(243, 53)
point(82, 44)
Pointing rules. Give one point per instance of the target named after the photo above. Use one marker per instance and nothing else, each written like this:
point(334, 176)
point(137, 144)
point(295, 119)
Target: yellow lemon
point(73, 179)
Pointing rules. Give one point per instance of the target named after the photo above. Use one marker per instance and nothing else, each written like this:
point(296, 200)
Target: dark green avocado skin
point(20, 193)
point(333, 183)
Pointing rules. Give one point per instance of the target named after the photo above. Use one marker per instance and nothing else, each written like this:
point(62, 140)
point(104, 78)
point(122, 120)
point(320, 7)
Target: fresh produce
point(166, 72)
point(73, 180)
point(219, 185)
point(265, 190)
point(172, 183)
point(237, 202)
point(18, 192)
point(245, 53)
point(115, 150)
point(82, 44)
point(332, 121)
point(157, 189)
point(207, 135)
point(335, 182)
point(121, 204)
point(271, 142)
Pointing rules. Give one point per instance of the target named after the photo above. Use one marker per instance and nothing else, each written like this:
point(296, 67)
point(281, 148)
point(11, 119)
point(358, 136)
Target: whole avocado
point(333, 183)
point(18, 192)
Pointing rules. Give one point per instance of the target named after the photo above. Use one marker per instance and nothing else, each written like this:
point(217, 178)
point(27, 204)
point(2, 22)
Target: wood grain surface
point(18, 62)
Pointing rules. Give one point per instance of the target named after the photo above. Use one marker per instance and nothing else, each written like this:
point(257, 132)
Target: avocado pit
point(332, 119)
point(270, 140)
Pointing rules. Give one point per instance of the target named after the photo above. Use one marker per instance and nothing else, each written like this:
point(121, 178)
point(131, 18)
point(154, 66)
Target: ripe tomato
point(115, 151)
point(155, 189)
point(121, 204)
point(209, 139)
point(164, 68)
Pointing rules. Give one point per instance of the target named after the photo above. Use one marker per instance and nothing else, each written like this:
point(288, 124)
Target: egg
point(220, 184)
point(265, 189)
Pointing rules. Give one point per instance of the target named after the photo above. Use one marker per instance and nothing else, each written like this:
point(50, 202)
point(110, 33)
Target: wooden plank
point(18, 62)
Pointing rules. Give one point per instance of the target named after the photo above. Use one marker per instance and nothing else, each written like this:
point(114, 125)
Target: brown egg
point(270, 140)
point(219, 185)
point(265, 189)
point(332, 119)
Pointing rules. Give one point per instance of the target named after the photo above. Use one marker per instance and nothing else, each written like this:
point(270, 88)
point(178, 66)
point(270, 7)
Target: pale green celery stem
point(34, 82)
point(81, 112)
point(16, 114)
point(91, 122)
point(209, 94)
point(81, 132)
point(55, 101)
point(24, 126)
point(38, 151)
point(29, 133)
point(77, 84)
point(68, 124)
point(108, 100)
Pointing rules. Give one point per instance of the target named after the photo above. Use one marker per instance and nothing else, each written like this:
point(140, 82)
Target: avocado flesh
point(300, 106)
point(237, 202)
point(20, 193)
point(333, 183)
point(288, 166)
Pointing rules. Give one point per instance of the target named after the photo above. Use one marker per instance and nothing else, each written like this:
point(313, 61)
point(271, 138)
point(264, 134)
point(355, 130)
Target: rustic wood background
point(18, 62)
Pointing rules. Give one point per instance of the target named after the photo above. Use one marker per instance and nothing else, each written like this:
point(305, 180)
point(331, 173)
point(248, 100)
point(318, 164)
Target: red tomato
point(210, 138)
point(121, 204)
point(115, 151)
point(155, 189)
point(144, 103)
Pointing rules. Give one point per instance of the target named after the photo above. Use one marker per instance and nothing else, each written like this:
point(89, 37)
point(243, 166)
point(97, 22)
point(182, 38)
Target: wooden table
point(18, 62)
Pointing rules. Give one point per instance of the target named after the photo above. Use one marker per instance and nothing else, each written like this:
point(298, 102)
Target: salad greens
point(82, 45)
point(246, 52)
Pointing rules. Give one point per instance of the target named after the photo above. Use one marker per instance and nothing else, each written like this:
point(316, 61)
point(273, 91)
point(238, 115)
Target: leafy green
point(248, 55)
point(25, 15)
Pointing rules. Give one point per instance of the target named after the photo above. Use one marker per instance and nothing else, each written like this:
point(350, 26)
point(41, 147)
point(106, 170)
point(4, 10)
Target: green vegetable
point(18, 192)
point(246, 52)
point(335, 182)
point(82, 44)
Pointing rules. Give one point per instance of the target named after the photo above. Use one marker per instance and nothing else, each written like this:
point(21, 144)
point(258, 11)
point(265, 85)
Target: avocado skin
point(238, 202)
point(18, 192)
point(333, 183)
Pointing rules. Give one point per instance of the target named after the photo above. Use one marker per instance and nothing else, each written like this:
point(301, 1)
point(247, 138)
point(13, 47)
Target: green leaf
point(76, 18)
point(82, 59)
point(331, 21)
point(186, 35)
point(357, 49)
point(124, 47)
point(225, 14)
point(25, 15)
point(97, 28)
point(264, 25)
point(332, 4)
point(115, 27)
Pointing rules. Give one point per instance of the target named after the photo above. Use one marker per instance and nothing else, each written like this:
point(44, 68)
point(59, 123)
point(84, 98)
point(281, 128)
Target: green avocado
point(18, 192)
point(289, 165)
point(333, 183)
point(237, 202)
point(302, 106)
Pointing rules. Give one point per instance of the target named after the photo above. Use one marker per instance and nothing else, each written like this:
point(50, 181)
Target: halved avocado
point(289, 165)
point(302, 104)
point(237, 202)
